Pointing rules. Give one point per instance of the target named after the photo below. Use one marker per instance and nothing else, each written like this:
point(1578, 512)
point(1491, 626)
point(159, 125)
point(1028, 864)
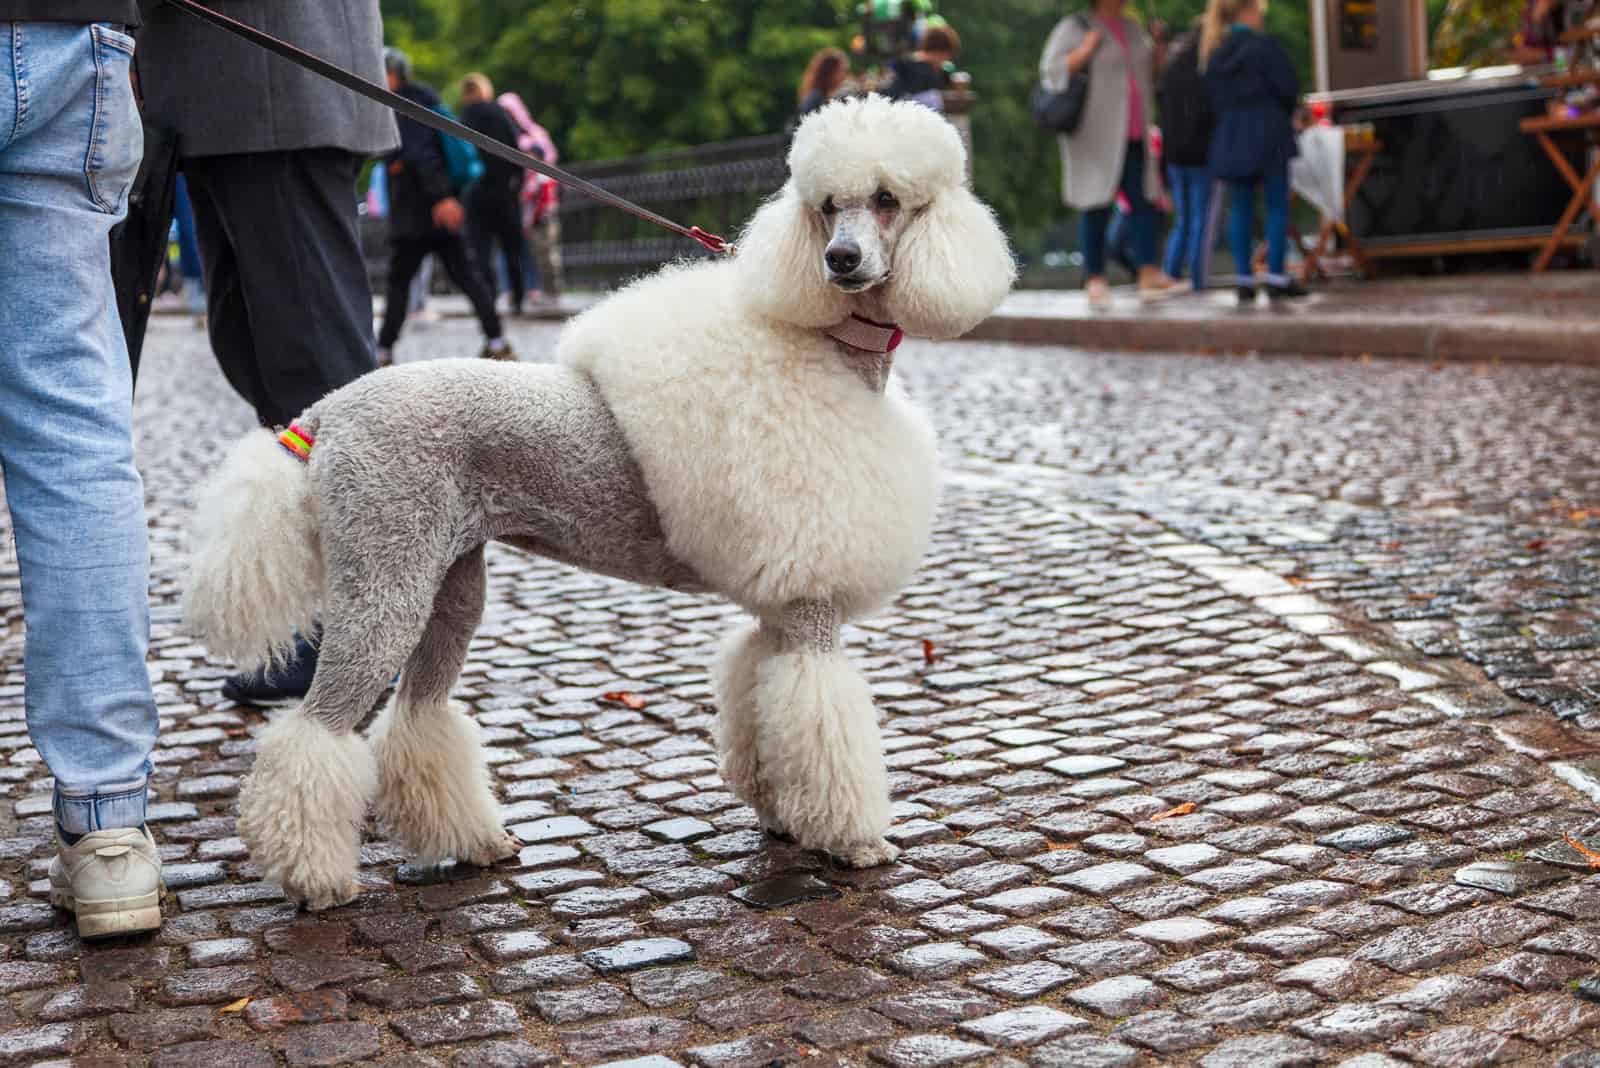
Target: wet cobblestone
point(1255, 722)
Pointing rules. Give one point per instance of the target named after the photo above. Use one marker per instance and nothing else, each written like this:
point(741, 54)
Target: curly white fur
point(951, 266)
point(434, 790)
point(819, 748)
point(303, 807)
point(734, 680)
point(256, 572)
point(802, 483)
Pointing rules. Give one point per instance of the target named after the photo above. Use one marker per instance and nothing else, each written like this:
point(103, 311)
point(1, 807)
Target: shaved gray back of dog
point(526, 454)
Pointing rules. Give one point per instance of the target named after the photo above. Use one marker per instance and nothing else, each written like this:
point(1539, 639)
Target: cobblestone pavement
point(1216, 731)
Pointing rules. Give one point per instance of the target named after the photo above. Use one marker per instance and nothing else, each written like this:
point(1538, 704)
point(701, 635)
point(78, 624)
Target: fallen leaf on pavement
point(632, 700)
point(235, 1006)
point(1182, 810)
point(1588, 854)
point(928, 655)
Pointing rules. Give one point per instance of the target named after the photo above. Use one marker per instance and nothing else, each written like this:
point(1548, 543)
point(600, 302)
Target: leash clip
point(712, 241)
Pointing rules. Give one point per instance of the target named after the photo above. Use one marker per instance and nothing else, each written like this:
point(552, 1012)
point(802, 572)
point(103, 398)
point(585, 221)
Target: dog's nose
point(842, 259)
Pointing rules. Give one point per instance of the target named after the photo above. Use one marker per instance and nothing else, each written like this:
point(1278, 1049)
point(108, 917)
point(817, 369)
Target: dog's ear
point(952, 267)
point(780, 265)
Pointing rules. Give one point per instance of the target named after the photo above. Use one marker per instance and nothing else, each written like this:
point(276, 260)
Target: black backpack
point(1187, 120)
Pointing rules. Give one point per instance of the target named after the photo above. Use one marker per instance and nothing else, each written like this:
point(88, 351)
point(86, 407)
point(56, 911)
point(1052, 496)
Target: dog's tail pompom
point(256, 572)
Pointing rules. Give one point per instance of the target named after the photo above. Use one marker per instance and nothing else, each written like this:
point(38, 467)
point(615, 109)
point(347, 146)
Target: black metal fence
point(715, 186)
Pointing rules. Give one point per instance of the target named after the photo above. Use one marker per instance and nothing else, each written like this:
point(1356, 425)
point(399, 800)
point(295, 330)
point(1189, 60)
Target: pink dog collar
point(866, 335)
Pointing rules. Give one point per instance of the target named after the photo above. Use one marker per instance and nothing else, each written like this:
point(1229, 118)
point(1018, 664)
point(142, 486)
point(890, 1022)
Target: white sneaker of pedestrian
point(111, 880)
point(1099, 291)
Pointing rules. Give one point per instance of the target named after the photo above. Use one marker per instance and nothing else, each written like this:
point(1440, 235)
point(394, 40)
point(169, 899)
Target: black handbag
point(1062, 112)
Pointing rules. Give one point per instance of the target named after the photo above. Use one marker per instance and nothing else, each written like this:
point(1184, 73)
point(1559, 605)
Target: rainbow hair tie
point(298, 442)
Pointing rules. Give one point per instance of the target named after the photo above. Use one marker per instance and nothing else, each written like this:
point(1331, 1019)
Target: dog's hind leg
point(817, 740)
point(434, 790)
point(303, 807)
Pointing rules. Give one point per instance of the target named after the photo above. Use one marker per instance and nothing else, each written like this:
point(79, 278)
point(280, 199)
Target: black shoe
point(280, 686)
point(1246, 295)
point(499, 349)
point(1291, 291)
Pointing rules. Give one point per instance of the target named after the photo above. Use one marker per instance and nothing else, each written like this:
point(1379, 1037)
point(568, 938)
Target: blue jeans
point(1242, 221)
point(1189, 247)
point(70, 143)
point(1142, 218)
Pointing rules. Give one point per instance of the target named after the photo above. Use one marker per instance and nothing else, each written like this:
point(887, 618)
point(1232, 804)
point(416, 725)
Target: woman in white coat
point(1110, 150)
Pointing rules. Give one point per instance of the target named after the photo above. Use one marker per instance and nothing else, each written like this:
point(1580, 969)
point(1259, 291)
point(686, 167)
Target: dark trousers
point(405, 257)
point(496, 219)
point(287, 300)
point(1142, 220)
point(1242, 220)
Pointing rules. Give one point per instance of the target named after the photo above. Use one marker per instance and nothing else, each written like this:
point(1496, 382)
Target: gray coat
point(224, 95)
point(1092, 156)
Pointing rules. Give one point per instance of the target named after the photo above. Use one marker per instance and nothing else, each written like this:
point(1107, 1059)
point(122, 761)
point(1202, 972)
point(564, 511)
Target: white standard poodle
point(728, 426)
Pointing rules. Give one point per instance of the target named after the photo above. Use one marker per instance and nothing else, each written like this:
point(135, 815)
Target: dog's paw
point(322, 898)
point(505, 846)
point(868, 856)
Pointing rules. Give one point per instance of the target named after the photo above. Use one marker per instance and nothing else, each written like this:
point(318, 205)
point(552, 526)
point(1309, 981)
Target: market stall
point(1460, 161)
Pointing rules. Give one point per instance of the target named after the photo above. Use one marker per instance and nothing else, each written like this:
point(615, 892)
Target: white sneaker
point(111, 880)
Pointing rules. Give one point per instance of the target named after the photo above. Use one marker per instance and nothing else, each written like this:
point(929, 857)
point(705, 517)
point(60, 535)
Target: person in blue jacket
point(1254, 93)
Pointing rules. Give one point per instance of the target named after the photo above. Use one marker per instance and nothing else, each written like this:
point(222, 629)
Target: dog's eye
point(885, 200)
point(828, 207)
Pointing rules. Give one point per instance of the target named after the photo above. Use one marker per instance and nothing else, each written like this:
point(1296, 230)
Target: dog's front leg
point(817, 741)
point(734, 681)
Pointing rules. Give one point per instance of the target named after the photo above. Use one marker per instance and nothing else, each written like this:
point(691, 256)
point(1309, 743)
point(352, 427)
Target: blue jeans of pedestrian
point(1242, 221)
point(1142, 218)
point(1189, 246)
point(70, 143)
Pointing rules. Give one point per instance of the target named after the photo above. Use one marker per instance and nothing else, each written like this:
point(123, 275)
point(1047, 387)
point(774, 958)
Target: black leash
point(433, 119)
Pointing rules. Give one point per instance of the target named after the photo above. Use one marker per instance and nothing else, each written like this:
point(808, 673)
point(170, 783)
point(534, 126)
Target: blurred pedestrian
point(825, 76)
point(1538, 32)
point(1187, 125)
point(70, 144)
point(541, 200)
point(924, 75)
point(271, 154)
point(426, 216)
point(194, 283)
point(1108, 152)
point(1255, 93)
point(494, 210)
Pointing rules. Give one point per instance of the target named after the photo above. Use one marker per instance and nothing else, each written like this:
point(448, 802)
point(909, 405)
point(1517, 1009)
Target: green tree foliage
point(617, 77)
point(1475, 32)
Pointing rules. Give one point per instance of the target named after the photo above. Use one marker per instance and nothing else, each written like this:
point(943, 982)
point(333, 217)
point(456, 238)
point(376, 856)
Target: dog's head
point(876, 218)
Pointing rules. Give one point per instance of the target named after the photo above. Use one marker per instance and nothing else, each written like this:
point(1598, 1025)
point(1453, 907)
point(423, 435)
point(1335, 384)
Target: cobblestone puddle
point(1178, 777)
